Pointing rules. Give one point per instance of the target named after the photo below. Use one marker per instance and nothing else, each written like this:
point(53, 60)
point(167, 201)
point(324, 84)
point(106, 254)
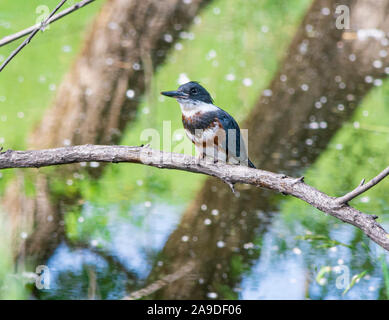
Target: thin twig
point(159, 284)
point(231, 173)
point(63, 13)
point(33, 33)
point(363, 187)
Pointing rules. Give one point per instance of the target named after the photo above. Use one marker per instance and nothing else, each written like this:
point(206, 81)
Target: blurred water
point(123, 263)
point(133, 241)
point(290, 273)
point(116, 257)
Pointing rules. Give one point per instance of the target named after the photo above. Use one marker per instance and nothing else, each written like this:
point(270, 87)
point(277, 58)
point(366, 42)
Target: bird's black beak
point(175, 94)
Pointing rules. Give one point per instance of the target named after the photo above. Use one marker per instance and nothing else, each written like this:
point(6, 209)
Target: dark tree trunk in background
point(317, 88)
point(126, 43)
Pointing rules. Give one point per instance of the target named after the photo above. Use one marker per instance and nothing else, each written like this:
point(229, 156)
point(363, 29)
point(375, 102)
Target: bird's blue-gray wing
point(232, 132)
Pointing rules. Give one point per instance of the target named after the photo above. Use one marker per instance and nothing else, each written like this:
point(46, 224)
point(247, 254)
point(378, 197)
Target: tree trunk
point(126, 43)
point(325, 74)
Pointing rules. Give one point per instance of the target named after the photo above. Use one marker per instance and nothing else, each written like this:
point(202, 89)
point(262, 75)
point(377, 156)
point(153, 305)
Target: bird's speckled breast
point(199, 120)
point(204, 127)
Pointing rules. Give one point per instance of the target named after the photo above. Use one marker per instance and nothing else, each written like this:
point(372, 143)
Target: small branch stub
point(363, 187)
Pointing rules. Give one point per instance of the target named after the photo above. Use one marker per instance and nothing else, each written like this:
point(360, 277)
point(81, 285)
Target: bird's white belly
point(204, 141)
point(207, 136)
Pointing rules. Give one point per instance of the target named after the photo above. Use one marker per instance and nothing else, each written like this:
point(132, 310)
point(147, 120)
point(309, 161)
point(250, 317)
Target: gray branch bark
point(228, 173)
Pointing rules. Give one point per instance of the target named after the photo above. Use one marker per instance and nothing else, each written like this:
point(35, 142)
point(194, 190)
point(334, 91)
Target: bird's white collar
point(191, 107)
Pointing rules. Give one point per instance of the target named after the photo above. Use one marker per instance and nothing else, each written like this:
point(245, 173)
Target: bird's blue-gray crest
point(214, 132)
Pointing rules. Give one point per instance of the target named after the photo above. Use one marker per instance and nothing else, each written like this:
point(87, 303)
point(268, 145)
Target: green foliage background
point(234, 39)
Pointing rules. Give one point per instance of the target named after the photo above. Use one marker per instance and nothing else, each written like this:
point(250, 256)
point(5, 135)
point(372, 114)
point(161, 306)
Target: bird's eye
point(193, 90)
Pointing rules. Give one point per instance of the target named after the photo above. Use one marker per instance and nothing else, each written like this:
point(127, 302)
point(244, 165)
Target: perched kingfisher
point(213, 131)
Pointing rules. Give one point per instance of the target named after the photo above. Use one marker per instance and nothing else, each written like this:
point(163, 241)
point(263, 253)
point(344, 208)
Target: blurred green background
point(235, 66)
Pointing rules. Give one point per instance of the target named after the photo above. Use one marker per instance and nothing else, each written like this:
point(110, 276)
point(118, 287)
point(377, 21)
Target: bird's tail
point(251, 165)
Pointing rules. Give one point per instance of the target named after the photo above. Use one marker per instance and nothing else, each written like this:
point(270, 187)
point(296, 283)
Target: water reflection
point(74, 271)
point(124, 256)
point(240, 250)
point(292, 272)
point(287, 268)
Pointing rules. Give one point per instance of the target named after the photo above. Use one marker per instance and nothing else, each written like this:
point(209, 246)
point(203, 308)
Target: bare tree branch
point(228, 173)
point(363, 187)
point(159, 284)
point(33, 33)
point(63, 13)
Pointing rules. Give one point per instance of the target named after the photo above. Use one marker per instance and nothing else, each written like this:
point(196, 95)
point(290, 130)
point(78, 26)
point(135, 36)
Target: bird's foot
point(199, 158)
